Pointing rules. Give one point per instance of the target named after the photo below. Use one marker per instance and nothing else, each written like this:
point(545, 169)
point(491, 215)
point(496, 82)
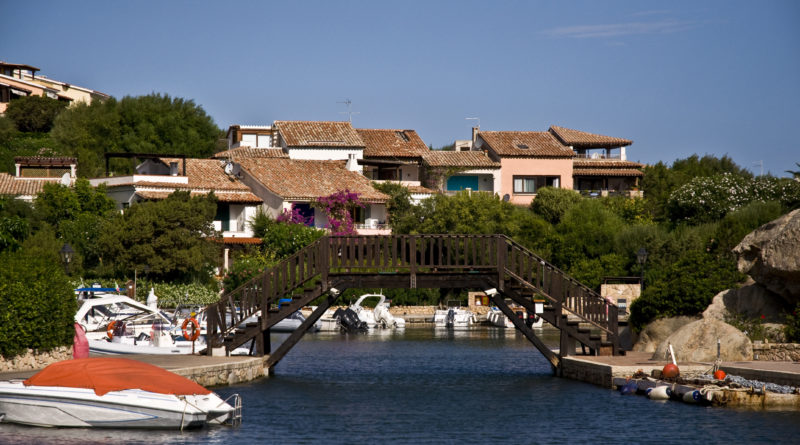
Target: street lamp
point(641, 258)
point(67, 254)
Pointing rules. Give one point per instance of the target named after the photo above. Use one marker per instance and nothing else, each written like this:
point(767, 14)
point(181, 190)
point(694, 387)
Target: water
point(427, 386)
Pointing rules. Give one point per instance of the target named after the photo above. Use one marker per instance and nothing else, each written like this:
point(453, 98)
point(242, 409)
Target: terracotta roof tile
point(207, 174)
point(222, 196)
point(475, 159)
point(525, 143)
point(582, 139)
point(45, 160)
point(392, 143)
point(604, 163)
point(606, 172)
point(249, 152)
point(318, 134)
point(293, 179)
point(11, 185)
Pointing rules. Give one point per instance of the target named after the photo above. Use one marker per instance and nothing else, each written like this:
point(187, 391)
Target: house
point(19, 80)
point(528, 161)
point(453, 171)
point(157, 177)
point(600, 165)
point(33, 172)
point(253, 136)
point(282, 183)
point(321, 140)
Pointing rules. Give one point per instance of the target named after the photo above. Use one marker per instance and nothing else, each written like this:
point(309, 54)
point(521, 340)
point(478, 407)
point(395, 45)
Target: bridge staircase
point(494, 263)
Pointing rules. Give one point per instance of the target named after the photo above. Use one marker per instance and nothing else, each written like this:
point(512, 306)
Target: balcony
point(605, 193)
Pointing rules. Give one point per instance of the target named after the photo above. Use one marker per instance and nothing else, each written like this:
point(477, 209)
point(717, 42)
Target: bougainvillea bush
point(339, 208)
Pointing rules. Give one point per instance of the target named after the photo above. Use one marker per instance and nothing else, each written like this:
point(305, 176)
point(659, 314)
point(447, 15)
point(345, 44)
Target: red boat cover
point(114, 374)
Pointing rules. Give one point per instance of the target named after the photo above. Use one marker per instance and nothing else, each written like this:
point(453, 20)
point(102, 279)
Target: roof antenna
point(349, 113)
point(474, 119)
point(761, 163)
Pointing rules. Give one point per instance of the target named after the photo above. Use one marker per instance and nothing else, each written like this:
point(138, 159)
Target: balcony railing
point(605, 192)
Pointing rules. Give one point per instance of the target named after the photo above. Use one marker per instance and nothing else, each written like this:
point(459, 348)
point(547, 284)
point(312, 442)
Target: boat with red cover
point(112, 393)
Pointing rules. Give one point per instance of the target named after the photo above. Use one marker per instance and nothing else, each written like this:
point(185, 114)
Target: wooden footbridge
point(482, 262)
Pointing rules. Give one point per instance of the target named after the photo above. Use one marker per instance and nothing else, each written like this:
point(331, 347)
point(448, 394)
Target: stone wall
point(226, 373)
point(778, 352)
point(33, 359)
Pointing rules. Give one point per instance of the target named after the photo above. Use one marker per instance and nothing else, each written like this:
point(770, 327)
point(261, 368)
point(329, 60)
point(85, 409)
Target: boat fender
point(629, 387)
point(693, 397)
point(110, 329)
point(195, 329)
point(659, 393)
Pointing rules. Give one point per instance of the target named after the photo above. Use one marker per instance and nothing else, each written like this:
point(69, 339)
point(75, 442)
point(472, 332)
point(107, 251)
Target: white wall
point(326, 154)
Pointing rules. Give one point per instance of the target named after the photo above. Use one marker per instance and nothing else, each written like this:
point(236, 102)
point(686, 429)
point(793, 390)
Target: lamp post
point(67, 254)
point(641, 258)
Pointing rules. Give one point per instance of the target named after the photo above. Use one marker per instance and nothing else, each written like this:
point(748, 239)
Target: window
point(529, 184)
point(264, 141)
point(524, 184)
point(249, 140)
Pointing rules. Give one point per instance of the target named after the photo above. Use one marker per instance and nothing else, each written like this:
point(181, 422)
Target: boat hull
point(78, 407)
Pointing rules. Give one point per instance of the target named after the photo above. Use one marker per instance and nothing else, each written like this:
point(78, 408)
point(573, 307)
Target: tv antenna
point(474, 119)
point(349, 112)
point(760, 163)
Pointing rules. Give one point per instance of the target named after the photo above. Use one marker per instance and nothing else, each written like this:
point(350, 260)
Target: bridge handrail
point(585, 304)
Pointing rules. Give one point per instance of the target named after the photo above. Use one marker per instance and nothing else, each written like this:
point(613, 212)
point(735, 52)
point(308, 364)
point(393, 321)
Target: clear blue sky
point(679, 77)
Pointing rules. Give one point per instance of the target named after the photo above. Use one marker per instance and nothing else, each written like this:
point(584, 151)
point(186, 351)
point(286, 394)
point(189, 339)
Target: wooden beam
point(551, 356)
point(300, 331)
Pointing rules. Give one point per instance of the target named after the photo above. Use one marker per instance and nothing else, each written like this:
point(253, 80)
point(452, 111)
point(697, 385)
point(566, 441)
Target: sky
point(678, 78)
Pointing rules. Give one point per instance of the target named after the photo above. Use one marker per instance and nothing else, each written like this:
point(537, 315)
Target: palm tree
point(796, 174)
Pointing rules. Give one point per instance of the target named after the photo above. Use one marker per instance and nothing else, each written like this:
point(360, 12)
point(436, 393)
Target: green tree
point(587, 230)
point(687, 288)
point(552, 203)
point(34, 113)
point(399, 206)
point(173, 237)
point(154, 124)
point(37, 304)
point(282, 239)
point(736, 225)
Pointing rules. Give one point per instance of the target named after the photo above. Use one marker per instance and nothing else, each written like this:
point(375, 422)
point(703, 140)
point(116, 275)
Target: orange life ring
point(195, 329)
point(110, 329)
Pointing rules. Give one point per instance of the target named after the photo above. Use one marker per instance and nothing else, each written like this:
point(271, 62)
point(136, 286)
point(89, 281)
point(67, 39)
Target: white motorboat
point(496, 317)
point(453, 317)
point(112, 393)
point(379, 316)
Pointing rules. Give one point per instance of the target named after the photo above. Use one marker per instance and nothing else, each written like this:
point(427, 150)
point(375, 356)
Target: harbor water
point(421, 385)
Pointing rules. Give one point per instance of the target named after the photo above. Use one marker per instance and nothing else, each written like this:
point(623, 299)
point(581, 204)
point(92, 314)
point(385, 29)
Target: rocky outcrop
point(697, 342)
point(658, 331)
point(750, 301)
point(771, 256)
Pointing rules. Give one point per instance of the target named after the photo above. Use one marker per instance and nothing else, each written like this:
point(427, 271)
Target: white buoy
point(659, 392)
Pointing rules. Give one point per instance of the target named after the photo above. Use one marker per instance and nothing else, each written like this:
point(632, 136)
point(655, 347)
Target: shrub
point(792, 327)
point(34, 113)
point(37, 303)
point(552, 203)
point(685, 287)
point(245, 267)
point(734, 226)
point(171, 295)
point(705, 199)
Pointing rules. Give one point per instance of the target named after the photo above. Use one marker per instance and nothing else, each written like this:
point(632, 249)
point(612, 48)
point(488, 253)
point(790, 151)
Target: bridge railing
point(265, 289)
point(412, 253)
point(559, 288)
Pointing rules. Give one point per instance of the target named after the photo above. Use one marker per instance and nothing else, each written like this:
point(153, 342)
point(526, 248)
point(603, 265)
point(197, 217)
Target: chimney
point(475, 131)
point(173, 168)
point(352, 164)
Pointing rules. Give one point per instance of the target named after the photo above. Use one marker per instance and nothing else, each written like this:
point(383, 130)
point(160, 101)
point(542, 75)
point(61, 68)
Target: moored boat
point(112, 393)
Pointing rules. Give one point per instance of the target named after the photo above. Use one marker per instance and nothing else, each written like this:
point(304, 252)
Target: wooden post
point(413, 261)
point(502, 253)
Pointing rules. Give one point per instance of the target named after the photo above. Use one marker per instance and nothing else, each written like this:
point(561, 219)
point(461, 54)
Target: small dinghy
point(112, 393)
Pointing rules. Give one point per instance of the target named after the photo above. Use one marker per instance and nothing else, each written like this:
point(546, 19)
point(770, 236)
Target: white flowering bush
point(705, 199)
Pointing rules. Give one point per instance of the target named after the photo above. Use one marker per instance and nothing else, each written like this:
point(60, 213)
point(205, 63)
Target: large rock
point(658, 331)
point(697, 342)
point(771, 256)
point(751, 301)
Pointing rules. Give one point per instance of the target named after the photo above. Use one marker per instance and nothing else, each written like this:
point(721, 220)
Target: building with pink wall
point(529, 160)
